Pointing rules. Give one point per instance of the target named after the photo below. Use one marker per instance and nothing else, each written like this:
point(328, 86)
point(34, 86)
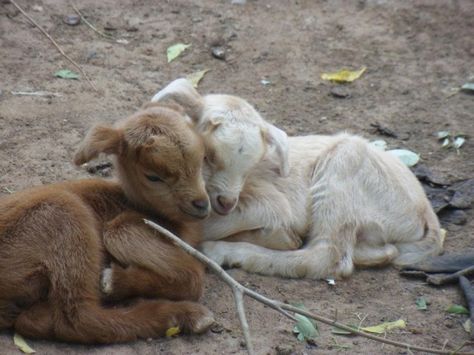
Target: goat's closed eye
point(154, 178)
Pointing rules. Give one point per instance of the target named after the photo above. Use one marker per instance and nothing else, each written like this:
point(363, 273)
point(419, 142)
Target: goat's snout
point(201, 204)
point(225, 204)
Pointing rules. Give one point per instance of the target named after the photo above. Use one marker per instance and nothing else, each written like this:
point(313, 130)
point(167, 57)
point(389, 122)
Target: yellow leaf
point(343, 76)
point(467, 325)
point(22, 345)
point(196, 77)
point(382, 328)
point(175, 50)
point(442, 234)
point(173, 331)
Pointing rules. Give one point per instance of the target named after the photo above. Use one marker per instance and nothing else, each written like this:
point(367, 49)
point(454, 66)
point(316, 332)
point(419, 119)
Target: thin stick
point(443, 278)
point(277, 305)
point(13, 2)
point(91, 26)
point(36, 93)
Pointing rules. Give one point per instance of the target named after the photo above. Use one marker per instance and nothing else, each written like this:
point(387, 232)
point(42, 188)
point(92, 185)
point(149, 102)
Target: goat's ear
point(100, 139)
point(278, 139)
point(182, 92)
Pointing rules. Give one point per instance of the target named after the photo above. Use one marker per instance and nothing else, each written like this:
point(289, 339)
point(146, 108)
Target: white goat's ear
point(278, 139)
point(182, 92)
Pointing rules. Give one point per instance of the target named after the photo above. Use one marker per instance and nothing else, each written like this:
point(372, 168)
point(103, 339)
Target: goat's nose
point(227, 203)
point(202, 205)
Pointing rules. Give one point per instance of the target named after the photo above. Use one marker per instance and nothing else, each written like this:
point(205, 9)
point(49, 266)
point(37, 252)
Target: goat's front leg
point(150, 265)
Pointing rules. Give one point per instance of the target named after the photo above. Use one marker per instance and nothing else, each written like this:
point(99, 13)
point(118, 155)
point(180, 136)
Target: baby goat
point(56, 239)
point(346, 201)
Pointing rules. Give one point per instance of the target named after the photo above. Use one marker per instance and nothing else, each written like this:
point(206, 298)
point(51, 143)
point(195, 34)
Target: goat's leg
point(276, 239)
point(152, 265)
point(94, 324)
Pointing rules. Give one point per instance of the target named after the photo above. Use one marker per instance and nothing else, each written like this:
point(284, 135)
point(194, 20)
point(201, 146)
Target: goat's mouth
point(222, 210)
point(195, 213)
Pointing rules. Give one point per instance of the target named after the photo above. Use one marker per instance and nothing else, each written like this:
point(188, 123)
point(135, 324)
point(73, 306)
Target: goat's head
point(236, 137)
point(159, 159)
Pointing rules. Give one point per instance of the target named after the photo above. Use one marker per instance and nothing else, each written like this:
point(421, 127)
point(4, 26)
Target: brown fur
point(55, 240)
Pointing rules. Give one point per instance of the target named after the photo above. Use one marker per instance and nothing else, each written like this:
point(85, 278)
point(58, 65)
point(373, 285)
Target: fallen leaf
point(265, 82)
point(380, 144)
point(442, 134)
point(421, 304)
point(122, 41)
point(306, 328)
point(467, 325)
point(196, 77)
point(446, 143)
point(468, 87)
point(458, 142)
point(457, 309)
point(406, 156)
point(384, 327)
point(22, 345)
point(173, 331)
point(175, 50)
point(331, 282)
point(344, 75)
point(66, 74)
point(442, 234)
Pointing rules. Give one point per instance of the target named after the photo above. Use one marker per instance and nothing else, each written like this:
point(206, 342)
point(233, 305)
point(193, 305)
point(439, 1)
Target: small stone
point(217, 328)
point(340, 93)
point(218, 52)
point(37, 8)
point(72, 20)
point(238, 2)
point(453, 216)
point(284, 350)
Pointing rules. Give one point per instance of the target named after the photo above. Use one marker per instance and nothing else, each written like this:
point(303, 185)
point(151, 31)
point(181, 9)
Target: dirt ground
point(415, 53)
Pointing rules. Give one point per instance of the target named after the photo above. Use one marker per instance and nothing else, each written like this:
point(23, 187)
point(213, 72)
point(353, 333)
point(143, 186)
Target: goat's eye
point(154, 178)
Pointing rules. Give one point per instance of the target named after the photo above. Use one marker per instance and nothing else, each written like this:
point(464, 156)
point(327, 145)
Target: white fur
point(348, 202)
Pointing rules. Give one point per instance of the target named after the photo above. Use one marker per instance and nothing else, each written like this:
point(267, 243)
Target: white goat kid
point(346, 201)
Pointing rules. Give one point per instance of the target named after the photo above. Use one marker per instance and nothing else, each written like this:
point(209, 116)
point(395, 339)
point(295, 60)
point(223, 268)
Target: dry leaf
point(384, 327)
point(173, 331)
point(175, 50)
point(344, 75)
point(196, 77)
point(22, 345)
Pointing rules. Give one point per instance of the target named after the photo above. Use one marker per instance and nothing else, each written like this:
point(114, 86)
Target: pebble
point(218, 52)
point(72, 20)
point(340, 93)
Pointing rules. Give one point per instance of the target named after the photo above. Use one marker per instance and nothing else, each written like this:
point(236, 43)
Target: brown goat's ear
point(100, 139)
point(182, 92)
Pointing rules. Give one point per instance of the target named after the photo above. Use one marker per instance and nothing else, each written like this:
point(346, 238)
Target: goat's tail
point(430, 245)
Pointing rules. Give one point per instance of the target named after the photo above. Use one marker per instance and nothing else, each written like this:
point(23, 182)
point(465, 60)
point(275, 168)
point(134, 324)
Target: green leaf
point(196, 77)
point(384, 327)
point(66, 74)
point(22, 345)
point(468, 87)
point(446, 143)
point(421, 304)
point(408, 157)
point(467, 325)
point(442, 134)
point(175, 50)
point(306, 328)
point(458, 142)
point(457, 309)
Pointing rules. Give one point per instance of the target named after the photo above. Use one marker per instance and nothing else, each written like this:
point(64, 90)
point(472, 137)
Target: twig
point(91, 26)
point(13, 2)
point(281, 307)
point(36, 93)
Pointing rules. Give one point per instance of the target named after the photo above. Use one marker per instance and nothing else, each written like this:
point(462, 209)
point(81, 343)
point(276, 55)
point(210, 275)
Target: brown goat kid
point(55, 240)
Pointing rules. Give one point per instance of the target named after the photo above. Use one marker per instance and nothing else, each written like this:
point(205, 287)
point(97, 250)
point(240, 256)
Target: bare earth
point(415, 53)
